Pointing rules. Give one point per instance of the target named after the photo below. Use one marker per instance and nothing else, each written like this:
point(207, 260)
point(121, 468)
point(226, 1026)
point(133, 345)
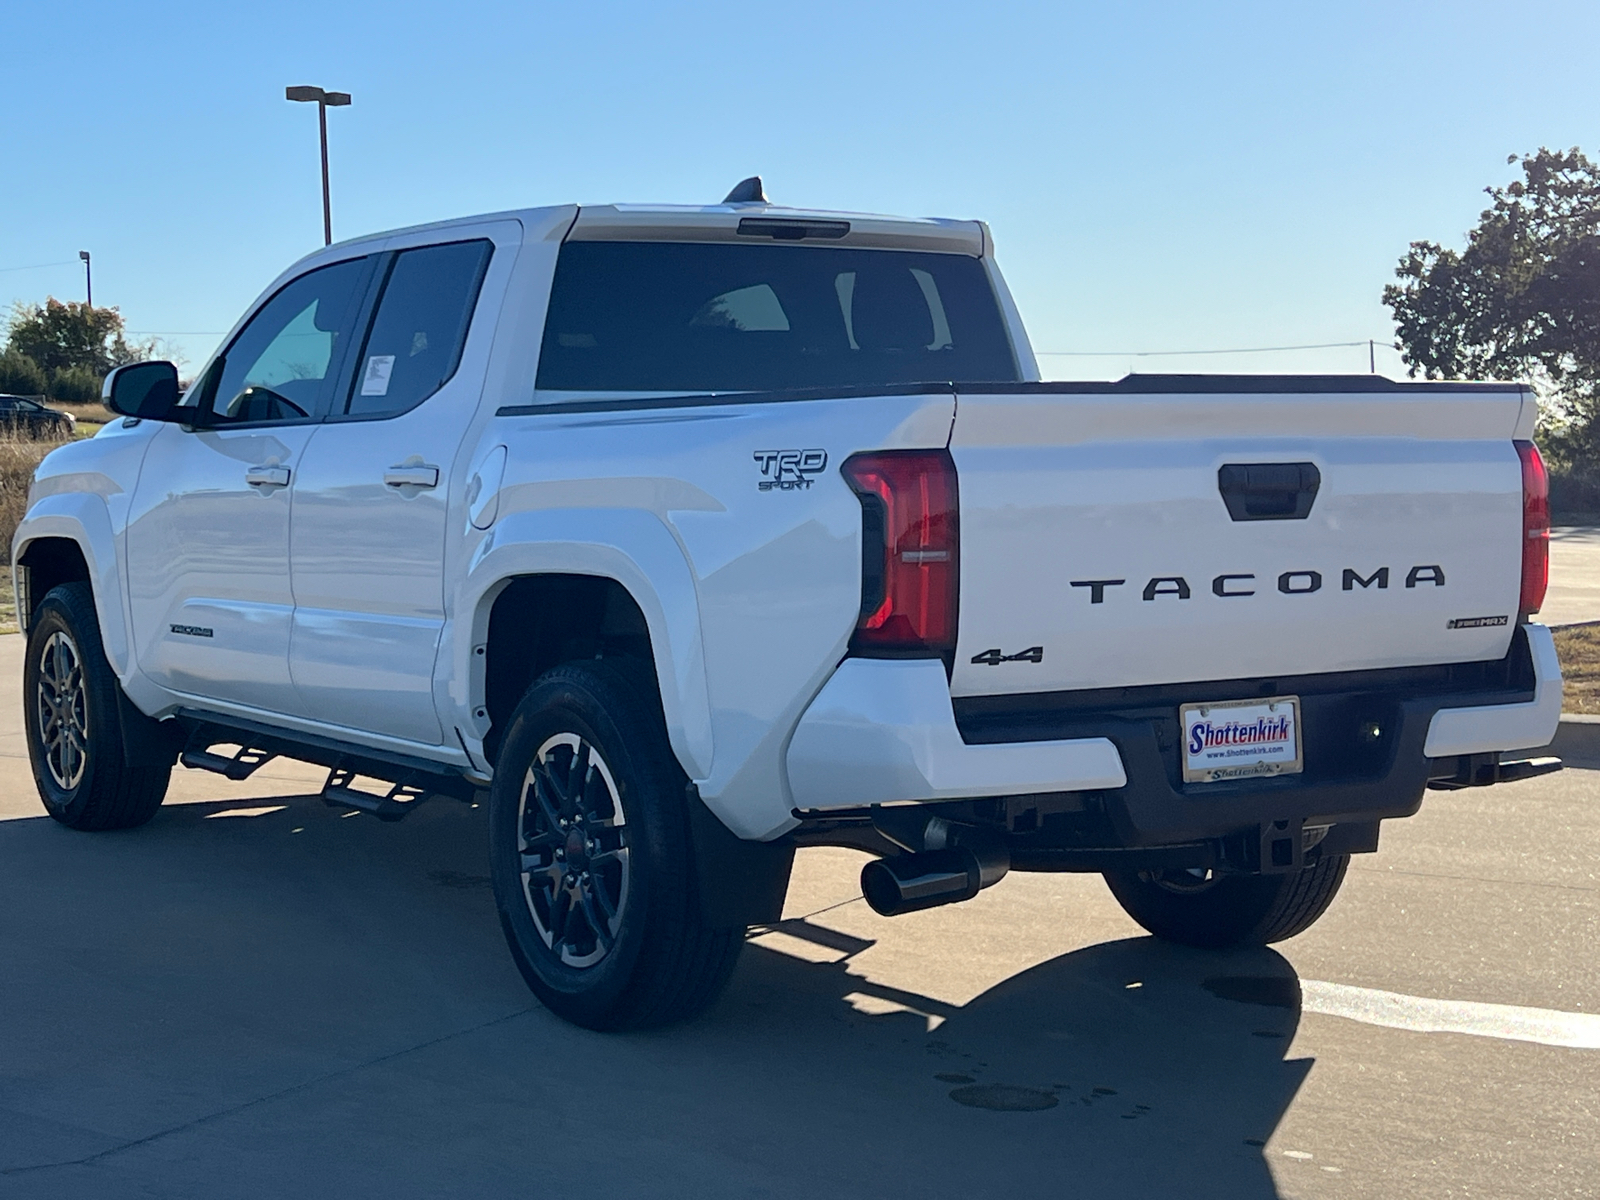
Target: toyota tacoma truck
point(694, 535)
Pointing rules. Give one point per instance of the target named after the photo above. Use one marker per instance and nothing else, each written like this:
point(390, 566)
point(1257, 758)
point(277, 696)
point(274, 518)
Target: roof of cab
point(708, 223)
point(770, 222)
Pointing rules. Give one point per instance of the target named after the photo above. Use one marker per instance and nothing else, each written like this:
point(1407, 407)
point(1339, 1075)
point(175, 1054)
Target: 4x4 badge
point(993, 658)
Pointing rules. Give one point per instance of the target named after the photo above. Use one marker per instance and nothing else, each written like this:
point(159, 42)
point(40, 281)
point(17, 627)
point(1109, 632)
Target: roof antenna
point(747, 191)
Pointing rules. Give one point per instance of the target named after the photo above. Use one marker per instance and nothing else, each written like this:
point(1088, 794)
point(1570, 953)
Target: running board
point(403, 798)
point(409, 775)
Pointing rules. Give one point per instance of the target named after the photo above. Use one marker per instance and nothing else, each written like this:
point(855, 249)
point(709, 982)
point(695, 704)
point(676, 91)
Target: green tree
point(21, 376)
point(59, 336)
point(75, 385)
point(1522, 301)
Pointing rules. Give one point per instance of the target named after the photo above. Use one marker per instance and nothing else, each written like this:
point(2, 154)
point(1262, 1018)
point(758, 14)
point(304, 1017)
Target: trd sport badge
point(789, 470)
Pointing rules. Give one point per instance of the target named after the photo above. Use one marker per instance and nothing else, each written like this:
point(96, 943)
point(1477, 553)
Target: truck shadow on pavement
point(265, 993)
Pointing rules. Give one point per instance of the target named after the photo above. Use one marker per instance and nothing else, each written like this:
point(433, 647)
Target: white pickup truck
point(694, 535)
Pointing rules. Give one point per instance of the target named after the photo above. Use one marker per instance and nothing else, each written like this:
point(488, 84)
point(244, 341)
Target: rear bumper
point(882, 732)
point(1486, 728)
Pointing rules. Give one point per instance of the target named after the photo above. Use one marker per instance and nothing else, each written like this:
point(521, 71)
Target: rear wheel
point(98, 762)
point(1212, 911)
point(592, 857)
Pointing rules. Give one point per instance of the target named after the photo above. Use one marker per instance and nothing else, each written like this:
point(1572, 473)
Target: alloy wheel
point(63, 710)
point(573, 848)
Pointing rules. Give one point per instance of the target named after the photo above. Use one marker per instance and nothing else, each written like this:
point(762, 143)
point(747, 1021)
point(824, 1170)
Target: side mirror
point(148, 390)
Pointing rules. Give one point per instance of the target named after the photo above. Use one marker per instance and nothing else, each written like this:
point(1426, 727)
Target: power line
point(1185, 353)
point(175, 332)
point(37, 267)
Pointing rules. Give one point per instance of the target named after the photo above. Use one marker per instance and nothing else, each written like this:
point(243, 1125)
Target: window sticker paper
point(376, 380)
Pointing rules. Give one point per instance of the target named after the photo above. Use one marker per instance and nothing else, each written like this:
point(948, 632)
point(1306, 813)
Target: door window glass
point(279, 366)
point(420, 327)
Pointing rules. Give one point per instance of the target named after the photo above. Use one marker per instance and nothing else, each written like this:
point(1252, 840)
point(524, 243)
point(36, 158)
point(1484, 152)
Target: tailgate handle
point(1269, 491)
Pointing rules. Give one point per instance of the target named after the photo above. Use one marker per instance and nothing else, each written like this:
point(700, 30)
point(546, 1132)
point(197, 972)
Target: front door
point(372, 498)
point(208, 531)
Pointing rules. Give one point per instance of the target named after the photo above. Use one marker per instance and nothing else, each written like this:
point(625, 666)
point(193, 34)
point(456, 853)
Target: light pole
point(324, 101)
point(88, 279)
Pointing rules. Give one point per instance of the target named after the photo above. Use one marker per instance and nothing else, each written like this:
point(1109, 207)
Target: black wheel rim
point(572, 839)
point(1184, 881)
point(63, 711)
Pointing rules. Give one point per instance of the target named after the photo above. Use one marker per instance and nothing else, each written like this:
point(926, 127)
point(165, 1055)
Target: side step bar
point(403, 798)
point(411, 780)
point(241, 766)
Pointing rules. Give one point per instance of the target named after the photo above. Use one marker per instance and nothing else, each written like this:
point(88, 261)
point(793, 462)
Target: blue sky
point(1159, 176)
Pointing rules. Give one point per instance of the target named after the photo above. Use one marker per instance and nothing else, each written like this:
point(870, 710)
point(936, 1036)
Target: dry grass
point(1579, 649)
point(18, 458)
point(92, 410)
point(90, 416)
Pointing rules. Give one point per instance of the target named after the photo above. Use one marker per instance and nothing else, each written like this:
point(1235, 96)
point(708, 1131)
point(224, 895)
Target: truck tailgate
point(1098, 548)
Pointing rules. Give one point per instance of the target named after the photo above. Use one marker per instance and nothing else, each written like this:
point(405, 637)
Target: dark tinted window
point(421, 324)
point(664, 316)
point(281, 362)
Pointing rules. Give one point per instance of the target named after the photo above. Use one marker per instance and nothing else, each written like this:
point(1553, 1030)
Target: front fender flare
point(83, 518)
point(637, 550)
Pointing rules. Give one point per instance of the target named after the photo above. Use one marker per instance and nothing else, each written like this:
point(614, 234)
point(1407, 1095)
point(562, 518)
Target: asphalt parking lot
point(258, 996)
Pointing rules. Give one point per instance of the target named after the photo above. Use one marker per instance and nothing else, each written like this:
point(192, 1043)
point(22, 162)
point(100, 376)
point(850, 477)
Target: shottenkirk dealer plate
point(1240, 739)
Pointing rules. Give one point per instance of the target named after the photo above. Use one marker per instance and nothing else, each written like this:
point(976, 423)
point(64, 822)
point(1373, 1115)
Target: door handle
point(267, 476)
point(412, 476)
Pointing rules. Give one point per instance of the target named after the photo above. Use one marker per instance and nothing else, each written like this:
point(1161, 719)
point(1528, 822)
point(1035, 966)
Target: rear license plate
point(1241, 739)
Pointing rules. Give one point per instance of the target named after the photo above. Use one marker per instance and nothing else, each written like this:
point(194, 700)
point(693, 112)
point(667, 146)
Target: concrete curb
point(1577, 740)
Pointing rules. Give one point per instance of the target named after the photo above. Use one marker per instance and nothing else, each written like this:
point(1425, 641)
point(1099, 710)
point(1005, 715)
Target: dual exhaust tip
point(954, 872)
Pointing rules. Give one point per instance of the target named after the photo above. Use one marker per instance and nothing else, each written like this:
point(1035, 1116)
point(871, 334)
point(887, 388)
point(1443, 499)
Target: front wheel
point(1213, 912)
point(98, 762)
point(591, 856)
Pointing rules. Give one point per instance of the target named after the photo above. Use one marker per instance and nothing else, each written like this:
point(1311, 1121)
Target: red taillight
point(909, 555)
point(1535, 528)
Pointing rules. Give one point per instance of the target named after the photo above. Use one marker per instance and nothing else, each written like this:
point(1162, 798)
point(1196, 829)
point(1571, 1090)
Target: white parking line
point(1547, 1026)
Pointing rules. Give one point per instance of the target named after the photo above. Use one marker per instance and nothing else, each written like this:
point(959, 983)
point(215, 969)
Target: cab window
point(419, 328)
point(281, 366)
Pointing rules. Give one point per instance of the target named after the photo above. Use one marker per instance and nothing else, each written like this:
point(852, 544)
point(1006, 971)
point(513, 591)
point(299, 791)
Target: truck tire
point(591, 856)
point(1220, 911)
point(99, 763)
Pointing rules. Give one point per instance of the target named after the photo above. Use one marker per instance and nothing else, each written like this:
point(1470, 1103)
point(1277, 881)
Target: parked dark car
point(33, 418)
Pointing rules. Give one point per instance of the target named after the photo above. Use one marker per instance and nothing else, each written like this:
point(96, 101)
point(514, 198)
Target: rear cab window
point(712, 317)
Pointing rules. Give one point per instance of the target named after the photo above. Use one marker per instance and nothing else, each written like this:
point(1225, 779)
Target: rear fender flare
point(638, 551)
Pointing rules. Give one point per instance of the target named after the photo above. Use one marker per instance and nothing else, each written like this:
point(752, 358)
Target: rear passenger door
point(372, 496)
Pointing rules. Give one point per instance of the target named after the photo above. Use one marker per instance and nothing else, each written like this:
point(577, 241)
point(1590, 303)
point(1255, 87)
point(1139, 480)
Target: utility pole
point(324, 101)
point(1372, 355)
point(88, 279)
